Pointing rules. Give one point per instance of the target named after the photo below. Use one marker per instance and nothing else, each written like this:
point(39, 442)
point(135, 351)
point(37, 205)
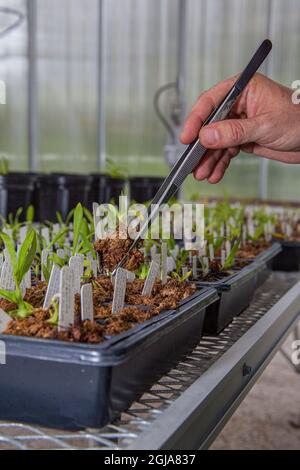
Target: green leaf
point(89, 216)
point(57, 260)
point(54, 318)
point(46, 273)
point(8, 295)
point(59, 218)
point(10, 245)
point(69, 217)
point(57, 238)
point(30, 214)
point(77, 224)
point(230, 258)
point(26, 256)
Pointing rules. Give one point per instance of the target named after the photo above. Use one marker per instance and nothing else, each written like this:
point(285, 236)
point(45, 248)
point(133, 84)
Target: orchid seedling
point(143, 271)
point(21, 264)
point(181, 277)
point(231, 256)
point(181, 260)
point(54, 306)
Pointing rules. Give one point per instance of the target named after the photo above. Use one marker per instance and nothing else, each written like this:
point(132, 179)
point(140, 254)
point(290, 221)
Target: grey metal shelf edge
point(188, 407)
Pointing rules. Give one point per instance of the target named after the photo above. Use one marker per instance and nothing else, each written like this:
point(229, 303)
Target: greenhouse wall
point(140, 55)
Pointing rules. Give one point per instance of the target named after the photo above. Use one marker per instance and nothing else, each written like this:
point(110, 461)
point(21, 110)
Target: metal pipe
point(181, 56)
point(32, 84)
point(264, 164)
point(101, 89)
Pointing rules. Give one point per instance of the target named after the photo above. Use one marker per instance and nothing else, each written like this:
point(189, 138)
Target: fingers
point(203, 108)
point(286, 157)
point(214, 164)
point(195, 120)
point(222, 165)
point(207, 165)
point(231, 133)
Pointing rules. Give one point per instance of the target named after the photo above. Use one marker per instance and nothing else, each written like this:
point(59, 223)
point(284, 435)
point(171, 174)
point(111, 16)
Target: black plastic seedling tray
point(74, 386)
point(235, 295)
point(289, 258)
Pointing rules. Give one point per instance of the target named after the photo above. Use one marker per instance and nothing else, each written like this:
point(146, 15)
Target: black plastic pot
point(3, 196)
point(105, 189)
point(20, 192)
point(235, 295)
point(289, 258)
point(144, 188)
point(75, 386)
point(267, 257)
point(61, 193)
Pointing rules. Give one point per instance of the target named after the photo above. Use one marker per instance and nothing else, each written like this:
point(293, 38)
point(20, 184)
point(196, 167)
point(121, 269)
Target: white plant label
point(4, 320)
point(206, 265)
point(67, 299)
point(96, 219)
point(151, 278)
point(171, 264)
point(223, 257)
point(87, 307)
point(1, 261)
point(53, 286)
point(44, 258)
point(157, 259)
point(23, 233)
point(185, 270)
point(61, 253)
point(164, 267)
point(153, 251)
point(94, 267)
point(27, 279)
point(175, 251)
point(6, 279)
point(228, 247)
point(195, 267)
point(76, 263)
point(119, 290)
point(130, 276)
point(45, 234)
point(98, 263)
point(55, 229)
point(6, 255)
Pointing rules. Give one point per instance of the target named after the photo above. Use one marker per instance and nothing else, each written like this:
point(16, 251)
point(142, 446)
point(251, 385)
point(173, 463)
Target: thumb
point(230, 133)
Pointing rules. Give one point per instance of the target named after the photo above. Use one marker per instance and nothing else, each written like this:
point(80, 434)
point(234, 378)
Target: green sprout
point(21, 264)
point(143, 271)
point(54, 305)
point(181, 278)
point(231, 257)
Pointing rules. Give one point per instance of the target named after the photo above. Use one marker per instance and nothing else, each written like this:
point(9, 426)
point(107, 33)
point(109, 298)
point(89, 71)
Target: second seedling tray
point(289, 258)
point(235, 295)
point(267, 257)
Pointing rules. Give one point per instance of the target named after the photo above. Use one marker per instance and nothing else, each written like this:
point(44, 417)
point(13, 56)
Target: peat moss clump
point(112, 250)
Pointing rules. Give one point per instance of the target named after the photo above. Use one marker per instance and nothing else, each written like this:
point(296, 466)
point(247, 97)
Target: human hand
point(264, 121)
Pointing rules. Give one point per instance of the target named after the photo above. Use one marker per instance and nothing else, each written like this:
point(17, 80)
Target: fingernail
point(211, 136)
